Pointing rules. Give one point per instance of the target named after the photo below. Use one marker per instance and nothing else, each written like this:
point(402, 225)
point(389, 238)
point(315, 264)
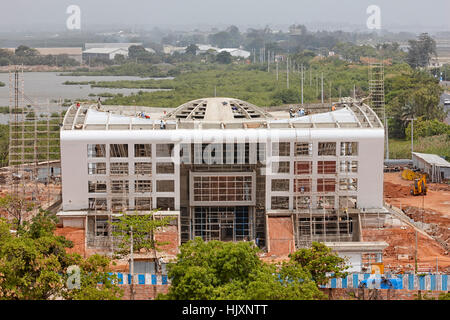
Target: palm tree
point(408, 112)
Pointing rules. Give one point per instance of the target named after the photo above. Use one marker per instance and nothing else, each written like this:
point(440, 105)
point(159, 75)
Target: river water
point(43, 87)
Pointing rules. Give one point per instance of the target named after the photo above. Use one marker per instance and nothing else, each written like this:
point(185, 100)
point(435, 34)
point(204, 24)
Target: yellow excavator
point(420, 186)
point(409, 174)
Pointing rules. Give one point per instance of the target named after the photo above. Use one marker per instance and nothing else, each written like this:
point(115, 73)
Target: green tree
point(141, 228)
point(119, 59)
point(412, 93)
point(136, 52)
point(34, 265)
point(141, 55)
point(285, 96)
point(17, 208)
point(192, 49)
point(230, 38)
point(444, 296)
point(136, 233)
point(5, 53)
point(319, 261)
point(225, 270)
point(427, 128)
point(421, 50)
point(24, 51)
point(223, 57)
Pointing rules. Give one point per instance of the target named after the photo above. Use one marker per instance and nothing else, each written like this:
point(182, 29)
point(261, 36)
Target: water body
point(43, 87)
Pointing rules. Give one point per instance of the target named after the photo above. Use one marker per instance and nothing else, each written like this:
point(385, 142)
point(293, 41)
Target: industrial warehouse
point(228, 170)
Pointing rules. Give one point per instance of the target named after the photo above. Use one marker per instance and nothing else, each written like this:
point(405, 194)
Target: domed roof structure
point(217, 109)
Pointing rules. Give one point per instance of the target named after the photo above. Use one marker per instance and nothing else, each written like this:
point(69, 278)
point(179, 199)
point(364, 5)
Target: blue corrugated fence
point(147, 278)
point(436, 282)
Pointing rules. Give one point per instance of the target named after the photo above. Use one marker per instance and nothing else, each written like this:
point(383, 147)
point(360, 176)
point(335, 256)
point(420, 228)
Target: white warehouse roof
point(105, 50)
point(432, 159)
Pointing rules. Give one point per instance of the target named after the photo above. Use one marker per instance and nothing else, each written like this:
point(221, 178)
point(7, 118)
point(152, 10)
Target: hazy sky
point(394, 13)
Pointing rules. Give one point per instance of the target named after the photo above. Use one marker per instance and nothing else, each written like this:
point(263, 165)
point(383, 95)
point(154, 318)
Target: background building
point(437, 168)
point(103, 53)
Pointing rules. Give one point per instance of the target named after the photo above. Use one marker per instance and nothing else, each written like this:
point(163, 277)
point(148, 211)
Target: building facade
point(222, 166)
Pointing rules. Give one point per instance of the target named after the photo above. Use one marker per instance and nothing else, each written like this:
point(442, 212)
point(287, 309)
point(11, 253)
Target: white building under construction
point(225, 168)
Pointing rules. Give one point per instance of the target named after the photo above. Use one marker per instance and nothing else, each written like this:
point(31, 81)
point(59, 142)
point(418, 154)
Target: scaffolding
point(377, 102)
point(33, 153)
point(376, 88)
point(317, 215)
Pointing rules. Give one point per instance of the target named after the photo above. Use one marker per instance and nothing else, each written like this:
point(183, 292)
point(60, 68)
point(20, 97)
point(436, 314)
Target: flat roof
point(104, 50)
point(432, 159)
point(357, 246)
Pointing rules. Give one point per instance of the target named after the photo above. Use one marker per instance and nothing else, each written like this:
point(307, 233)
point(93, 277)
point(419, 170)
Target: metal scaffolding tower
point(376, 89)
point(33, 145)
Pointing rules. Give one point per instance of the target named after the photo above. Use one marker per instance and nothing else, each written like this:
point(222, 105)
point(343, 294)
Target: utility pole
point(412, 135)
point(310, 76)
point(330, 91)
point(415, 255)
point(322, 86)
point(268, 61)
point(287, 72)
point(354, 92)
point(131, 264)
point(277, 70)
point(302, 84)
point(387, 137)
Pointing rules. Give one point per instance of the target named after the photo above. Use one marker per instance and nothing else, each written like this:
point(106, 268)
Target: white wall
point(73, 222)
point(74, 155)
point(354, 260)
point(74, 174)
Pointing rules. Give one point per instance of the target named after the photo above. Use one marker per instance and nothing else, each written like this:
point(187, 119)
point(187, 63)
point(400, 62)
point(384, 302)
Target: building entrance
point(222, 223)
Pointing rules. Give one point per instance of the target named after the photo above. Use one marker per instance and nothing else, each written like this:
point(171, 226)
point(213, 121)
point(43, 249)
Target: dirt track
point(432, 209)
point(397, 192)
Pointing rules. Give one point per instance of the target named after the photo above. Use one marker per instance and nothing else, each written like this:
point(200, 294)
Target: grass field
point(248, 83)
point(401, 149)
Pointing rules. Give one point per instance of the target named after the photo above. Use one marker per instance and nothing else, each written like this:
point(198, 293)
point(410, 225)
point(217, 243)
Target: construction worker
point(291, 113)
point(333, 108)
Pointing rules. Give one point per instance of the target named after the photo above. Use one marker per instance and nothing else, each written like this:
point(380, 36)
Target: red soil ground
point(433, 209)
